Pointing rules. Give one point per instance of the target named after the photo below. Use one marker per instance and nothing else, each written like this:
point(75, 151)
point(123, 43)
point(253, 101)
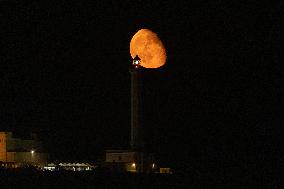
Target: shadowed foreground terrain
point(29, 178)
point(66, 179)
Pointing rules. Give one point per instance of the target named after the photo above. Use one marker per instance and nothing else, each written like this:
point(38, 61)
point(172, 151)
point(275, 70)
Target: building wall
point(131, 161)
point(28, 157)
point(18, 150)
point(124, 160)
point(13, 144)
point(124, 157)
point(3, 146)
point(17, 144)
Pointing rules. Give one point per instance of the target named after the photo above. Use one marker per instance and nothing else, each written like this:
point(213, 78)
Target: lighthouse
point(136, 141)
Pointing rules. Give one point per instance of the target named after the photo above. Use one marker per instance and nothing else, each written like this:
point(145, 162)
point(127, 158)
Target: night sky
point(214, 108)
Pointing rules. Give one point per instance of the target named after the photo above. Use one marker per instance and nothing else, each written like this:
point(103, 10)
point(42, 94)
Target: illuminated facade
point(17, 152)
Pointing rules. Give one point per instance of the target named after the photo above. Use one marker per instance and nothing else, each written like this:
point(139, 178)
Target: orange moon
point(150, 49)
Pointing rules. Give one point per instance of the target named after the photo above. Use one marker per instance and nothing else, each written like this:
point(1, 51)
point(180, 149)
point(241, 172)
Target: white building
point(17, 152)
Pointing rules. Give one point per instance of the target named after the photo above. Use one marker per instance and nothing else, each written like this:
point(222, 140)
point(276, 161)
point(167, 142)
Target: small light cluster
point(136, 61)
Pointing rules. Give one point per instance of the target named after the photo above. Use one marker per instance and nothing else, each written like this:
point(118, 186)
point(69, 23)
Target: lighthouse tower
point(136, 125)
point(134, 159)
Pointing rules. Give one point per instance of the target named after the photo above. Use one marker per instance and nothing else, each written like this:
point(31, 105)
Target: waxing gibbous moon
point(150, 49)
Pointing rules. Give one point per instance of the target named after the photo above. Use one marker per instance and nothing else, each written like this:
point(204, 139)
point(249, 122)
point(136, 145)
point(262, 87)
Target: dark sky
point(215, 105)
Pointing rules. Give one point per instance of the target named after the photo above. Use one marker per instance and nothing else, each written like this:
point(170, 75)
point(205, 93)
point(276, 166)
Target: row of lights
point(134, 165)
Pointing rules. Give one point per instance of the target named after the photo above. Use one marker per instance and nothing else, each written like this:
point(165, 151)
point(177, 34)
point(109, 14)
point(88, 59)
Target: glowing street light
point(133, 165)
point(32, 156)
